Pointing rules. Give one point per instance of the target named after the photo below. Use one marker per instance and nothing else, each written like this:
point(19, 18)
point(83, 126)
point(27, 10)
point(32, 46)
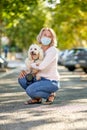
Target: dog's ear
point(41, 54)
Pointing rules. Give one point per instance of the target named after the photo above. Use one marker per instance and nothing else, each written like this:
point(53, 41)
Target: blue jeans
point(40, 88)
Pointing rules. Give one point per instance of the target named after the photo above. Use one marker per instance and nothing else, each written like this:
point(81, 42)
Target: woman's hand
point(22, 74)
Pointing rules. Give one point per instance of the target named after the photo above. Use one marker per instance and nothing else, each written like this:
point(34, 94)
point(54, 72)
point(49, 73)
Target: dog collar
point(36, 60)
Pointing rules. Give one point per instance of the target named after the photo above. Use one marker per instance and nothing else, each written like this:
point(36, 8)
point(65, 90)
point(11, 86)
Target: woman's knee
point(22, 82)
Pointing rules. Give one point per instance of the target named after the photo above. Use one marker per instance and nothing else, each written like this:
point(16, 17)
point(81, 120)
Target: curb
point(10, 72)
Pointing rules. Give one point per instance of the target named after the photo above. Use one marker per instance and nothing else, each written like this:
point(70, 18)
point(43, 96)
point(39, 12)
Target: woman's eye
point(48, 36)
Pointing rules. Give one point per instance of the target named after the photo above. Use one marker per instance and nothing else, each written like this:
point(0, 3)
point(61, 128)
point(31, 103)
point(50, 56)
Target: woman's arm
point(46, 62)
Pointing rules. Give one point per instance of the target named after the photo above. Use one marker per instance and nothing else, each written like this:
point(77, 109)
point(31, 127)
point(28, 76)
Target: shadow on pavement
point(17, 116)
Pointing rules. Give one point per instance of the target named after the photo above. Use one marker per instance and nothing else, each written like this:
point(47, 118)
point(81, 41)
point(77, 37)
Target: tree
point(70, 23)
point(22, 20)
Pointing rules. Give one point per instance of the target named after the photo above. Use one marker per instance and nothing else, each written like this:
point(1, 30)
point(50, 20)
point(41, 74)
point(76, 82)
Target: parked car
point(83, 63)
point(3, 62)
point(74, 58)
point(62, 56)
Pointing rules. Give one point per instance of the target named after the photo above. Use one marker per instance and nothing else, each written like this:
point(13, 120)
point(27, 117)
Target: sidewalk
point(11, 67)
point(69, 111)
point(14, 60)
point(15, 63)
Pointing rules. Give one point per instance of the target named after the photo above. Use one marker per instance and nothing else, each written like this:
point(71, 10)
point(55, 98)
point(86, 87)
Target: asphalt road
point(68, 112)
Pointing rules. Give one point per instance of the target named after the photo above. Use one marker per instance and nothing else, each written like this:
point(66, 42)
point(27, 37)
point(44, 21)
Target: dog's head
point(35, 52)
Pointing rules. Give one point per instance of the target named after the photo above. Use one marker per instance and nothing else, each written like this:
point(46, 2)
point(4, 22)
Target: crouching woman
point(49, 82)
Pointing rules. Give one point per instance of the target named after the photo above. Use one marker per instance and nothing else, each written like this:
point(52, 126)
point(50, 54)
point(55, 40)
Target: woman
point(47, 70)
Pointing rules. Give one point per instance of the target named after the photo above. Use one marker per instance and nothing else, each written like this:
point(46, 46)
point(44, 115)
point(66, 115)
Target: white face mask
point(45, 40)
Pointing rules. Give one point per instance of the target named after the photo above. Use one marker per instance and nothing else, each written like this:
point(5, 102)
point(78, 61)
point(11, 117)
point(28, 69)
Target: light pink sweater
point(48, 67)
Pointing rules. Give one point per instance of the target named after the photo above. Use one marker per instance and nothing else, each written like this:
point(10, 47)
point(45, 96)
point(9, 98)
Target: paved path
point(69, 111)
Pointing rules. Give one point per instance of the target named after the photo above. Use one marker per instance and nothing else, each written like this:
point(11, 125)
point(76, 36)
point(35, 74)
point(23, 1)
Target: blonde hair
point(54, 40)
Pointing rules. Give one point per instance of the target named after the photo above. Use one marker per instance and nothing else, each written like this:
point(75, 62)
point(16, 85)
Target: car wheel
point(72, 68)
point(85, 70)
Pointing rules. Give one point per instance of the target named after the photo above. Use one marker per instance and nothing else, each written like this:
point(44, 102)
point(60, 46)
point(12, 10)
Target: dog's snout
point(32, 52)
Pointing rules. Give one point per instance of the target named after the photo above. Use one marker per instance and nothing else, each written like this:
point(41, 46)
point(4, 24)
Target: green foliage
point(70, 18)
point(21, 21)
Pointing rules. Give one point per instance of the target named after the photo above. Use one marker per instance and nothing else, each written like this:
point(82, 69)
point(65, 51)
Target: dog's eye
point(35, 48)
point(31, 49)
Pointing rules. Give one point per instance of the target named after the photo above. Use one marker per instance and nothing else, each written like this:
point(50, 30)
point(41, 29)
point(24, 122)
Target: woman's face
point(46, 33)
